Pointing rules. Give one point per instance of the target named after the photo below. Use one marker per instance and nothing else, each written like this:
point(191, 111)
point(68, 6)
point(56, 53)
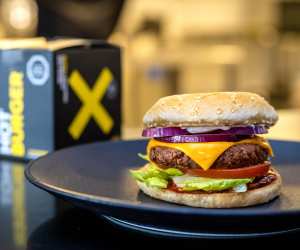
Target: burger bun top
point(210, 110)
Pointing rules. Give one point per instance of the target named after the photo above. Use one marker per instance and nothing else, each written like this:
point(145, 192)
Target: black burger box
point(57, 93)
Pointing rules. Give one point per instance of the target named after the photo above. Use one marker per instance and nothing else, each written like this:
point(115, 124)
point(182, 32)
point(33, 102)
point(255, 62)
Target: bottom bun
point(217, 200)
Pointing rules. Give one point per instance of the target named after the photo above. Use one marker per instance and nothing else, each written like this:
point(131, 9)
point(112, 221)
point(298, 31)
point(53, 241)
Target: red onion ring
point(156, 132)
point(161, 132)
point(249, 130)
point(202, 138)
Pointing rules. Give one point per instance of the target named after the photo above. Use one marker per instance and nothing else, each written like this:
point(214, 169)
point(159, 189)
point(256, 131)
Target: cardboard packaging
point(55, 94)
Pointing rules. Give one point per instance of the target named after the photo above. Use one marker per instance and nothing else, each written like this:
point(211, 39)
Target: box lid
point(53, 44)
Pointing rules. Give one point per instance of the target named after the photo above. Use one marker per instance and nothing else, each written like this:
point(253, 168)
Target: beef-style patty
point(237, 156)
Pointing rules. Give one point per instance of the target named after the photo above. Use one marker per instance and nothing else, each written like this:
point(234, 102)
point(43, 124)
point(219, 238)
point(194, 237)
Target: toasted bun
point(217, 200)
point(210, 109)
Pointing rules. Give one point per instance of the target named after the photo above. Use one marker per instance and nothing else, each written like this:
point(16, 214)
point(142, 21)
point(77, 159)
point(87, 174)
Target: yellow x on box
point(57, 93)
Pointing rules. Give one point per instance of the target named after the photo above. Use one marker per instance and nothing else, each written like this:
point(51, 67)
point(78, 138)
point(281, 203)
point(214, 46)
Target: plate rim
point(118, 203)
point(153, 230)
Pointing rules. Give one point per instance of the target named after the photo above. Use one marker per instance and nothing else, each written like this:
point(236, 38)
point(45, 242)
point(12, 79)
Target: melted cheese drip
point(205, 153)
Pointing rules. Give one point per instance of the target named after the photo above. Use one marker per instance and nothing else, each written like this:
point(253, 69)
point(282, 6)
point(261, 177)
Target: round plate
point(95, 176)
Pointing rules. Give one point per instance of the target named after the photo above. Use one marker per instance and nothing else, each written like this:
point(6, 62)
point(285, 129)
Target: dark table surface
point(33, 219)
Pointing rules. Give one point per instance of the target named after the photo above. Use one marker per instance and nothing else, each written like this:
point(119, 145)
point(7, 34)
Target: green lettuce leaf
point(173, 172)
point(157, 182)
point(156, 177)
point(169, 171)
point(192, 183)
point(144, 157)
point(152, 175)
point(145, 173)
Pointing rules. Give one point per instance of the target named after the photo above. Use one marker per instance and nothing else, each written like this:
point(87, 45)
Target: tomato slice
point(235, 173)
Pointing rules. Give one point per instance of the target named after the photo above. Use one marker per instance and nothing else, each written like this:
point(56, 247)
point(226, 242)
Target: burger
point(207, 150)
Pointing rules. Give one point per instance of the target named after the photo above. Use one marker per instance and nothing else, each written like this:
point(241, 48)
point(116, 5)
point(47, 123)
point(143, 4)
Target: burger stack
point(208, 150)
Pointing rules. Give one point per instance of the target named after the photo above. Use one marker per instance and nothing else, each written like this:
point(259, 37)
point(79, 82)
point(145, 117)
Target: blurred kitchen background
point(176, 46)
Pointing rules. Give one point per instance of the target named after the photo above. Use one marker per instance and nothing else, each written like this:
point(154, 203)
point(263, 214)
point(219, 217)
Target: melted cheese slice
point(205, 153)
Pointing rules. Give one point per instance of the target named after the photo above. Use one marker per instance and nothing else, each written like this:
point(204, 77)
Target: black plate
point(95, 176)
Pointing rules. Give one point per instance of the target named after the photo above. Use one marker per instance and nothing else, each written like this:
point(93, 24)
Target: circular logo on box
point(38, 70)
